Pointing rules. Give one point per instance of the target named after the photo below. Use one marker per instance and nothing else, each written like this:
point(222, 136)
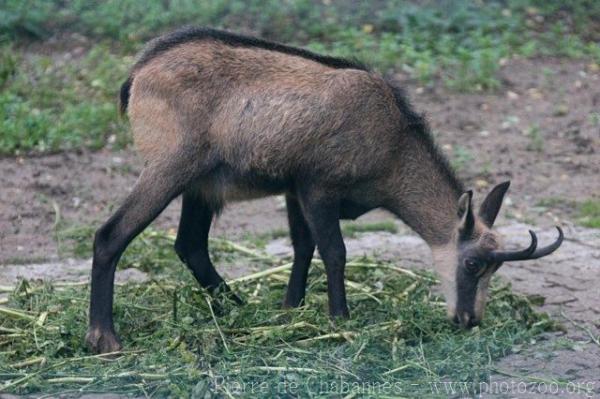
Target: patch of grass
point(75, 240)
point(8, 65)
point(48, 104)
point(426, 37)
point(536, 139)
point(262, 239)
point(351, 229)
point(551, 202)
point(474, 70)
point(150, 251)
point(589, 213)
point(486, 169)
point(397, 338)
point(461, 158)
point(585, 213)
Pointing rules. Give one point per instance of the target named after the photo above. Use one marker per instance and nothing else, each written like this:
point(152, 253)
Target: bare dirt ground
point(538, 131)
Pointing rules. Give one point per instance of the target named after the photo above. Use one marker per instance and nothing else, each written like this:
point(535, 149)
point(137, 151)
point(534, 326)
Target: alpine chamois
point(220, 117)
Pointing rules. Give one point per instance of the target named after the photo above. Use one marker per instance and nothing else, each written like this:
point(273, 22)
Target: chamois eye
point(472, 265)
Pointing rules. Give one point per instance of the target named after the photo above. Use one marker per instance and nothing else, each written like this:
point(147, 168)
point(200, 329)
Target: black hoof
point(102, 341)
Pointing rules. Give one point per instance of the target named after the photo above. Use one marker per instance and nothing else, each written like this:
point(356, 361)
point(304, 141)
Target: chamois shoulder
point(188, 34)
point(418, 128)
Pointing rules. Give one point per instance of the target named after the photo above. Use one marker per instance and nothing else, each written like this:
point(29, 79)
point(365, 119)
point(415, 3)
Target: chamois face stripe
point(467, 286)
point(190, 33)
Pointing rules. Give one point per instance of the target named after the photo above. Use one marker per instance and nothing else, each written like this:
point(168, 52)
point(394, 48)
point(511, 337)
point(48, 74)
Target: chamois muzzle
point(531, 252)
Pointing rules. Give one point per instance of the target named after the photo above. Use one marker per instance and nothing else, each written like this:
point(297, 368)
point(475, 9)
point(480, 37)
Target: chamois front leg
point(323, 217)
point(191, 245)
point(304, 248)
point(155, 188)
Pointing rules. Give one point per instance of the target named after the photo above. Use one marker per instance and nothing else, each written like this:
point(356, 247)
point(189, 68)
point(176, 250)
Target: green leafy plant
point(47, 107)
point(461, 158)
point(351, 229)
point(536, 139)
point(589, 213)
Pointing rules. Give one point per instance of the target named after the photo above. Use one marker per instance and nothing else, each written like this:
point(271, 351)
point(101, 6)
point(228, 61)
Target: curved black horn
point(532, 252)
point(506, 256)
point(550, 248)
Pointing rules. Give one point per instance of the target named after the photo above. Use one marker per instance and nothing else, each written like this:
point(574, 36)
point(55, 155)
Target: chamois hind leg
point(323, 217)
point(191, 245)
point(304, 248)
point(157, 185)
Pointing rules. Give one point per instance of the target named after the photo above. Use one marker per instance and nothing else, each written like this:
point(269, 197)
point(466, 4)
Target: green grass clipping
point(396, 343)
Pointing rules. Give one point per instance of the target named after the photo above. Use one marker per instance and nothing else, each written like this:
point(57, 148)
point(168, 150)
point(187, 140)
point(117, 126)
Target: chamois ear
point(491, 205)
point(465, 214)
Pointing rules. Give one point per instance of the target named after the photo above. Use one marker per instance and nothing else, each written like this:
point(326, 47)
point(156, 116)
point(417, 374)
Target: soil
point(539, 131)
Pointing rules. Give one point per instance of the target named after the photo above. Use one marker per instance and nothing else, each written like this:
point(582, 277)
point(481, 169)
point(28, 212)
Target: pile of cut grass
point(396, 343)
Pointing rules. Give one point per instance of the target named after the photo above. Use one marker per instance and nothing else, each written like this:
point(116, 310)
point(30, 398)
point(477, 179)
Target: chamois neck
point(425, 192)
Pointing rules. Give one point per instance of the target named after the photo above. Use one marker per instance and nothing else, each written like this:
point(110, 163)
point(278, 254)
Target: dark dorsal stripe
point(190, 34)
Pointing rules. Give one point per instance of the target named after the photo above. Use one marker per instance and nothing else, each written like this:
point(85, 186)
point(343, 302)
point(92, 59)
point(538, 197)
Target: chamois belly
point(225, 185)
point(241, 191)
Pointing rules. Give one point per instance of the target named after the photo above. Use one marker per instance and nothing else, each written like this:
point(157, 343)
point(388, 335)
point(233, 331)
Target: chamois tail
point(124, 95)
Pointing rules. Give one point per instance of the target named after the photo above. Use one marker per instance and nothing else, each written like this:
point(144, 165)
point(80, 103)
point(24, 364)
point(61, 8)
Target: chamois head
point(467, 263)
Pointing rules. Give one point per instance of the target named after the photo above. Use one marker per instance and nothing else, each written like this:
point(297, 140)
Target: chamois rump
point(220, 117)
